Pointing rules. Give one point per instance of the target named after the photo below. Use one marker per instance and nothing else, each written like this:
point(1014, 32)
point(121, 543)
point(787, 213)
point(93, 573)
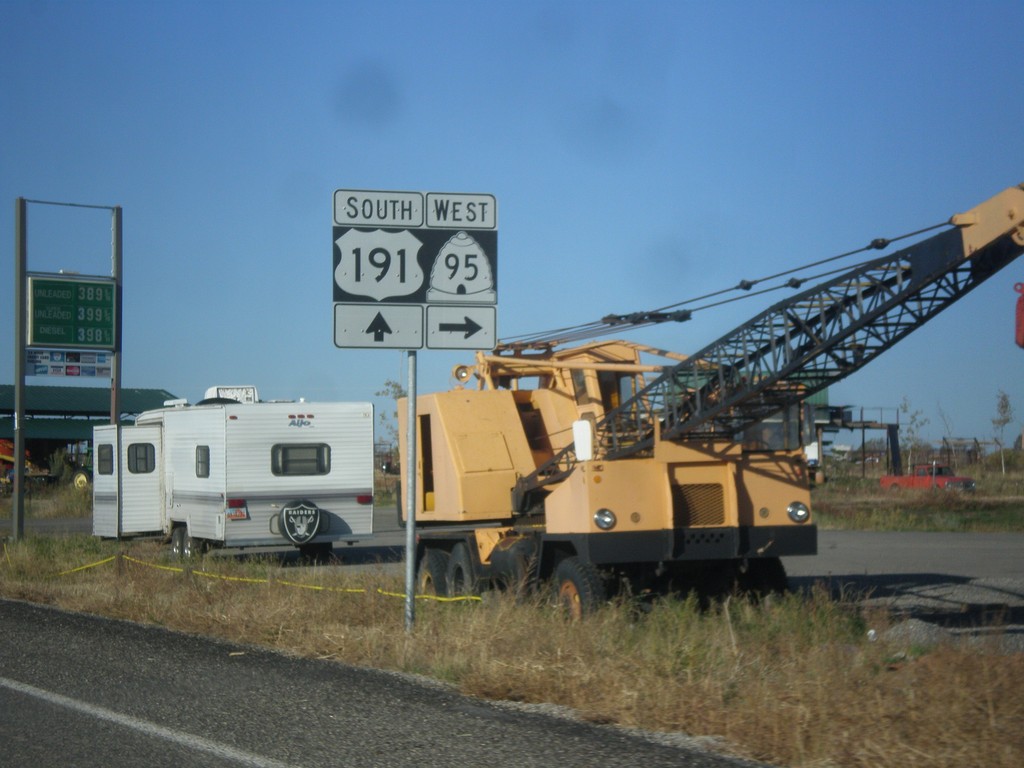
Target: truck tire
point(515, 576)
point(578, 587)
point(432, 577)
point(461, 575)
point(764, 576)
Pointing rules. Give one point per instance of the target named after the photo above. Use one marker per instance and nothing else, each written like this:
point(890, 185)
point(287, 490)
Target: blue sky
point(640, 153)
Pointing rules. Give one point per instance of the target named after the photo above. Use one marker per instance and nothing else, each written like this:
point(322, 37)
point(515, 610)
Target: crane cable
point(672, 312)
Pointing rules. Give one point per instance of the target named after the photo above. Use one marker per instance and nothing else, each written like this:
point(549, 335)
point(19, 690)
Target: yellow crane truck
point(608, 466)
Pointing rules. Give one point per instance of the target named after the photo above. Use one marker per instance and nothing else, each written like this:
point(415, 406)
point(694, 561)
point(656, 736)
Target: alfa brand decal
point(300, 419)
point(300, 521)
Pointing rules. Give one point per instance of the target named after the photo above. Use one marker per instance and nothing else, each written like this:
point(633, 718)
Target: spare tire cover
point(300, 521)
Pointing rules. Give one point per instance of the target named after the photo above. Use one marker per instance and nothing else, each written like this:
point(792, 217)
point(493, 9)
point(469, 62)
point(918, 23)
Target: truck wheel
point(716, 580)
point(178, 542)
point(462, 579)
point(578, 587)
point(432, 578)
point(516, 576)
point(763, 577)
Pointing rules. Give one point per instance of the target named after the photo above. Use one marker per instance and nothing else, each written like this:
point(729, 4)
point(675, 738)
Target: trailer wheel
point(191, 546)
point(319, 553)
point(578, 587)
point(178, 542)
point(432, 578)
point(462, 579)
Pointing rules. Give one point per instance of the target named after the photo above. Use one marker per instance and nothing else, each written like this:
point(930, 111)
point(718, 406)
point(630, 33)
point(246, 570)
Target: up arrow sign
point(378, 327)
point(468, 327)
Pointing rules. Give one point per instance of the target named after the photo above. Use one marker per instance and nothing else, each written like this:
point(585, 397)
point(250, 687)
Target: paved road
point(958, 583)
point(83, 691)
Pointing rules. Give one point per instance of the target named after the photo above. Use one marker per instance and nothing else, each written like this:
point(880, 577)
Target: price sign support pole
point(116, 259)
point(410, 497)
point(21, 341)
point(20, 261)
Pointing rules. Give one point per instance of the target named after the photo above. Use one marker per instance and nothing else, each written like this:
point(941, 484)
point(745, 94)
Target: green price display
point(72, 313)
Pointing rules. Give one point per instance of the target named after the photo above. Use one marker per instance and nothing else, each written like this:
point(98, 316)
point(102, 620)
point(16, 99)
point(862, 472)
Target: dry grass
point(925, 512)
point(793, 682)
point(51, 502)
point(856, 503)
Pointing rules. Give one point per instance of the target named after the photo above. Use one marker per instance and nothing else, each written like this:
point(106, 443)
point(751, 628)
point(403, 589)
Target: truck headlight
point(798, 512)
point(604, 519)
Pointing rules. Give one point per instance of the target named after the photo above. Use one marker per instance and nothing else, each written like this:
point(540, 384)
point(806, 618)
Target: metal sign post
point(410, 498)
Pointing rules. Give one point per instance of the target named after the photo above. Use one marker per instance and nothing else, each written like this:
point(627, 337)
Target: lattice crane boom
point(809, 341)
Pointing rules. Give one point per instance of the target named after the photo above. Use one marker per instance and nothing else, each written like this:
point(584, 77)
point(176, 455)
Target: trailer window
point(105, 459)
point(311, 459)
point(202, 461)
point(141, 458)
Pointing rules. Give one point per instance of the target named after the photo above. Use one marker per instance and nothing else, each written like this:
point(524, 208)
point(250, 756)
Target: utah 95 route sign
point(415, 269)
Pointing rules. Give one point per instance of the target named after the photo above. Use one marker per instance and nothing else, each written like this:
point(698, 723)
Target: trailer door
point(135, 479)
point(104, 481)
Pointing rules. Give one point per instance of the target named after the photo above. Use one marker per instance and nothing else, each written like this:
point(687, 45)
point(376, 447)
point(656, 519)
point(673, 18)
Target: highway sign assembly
point(415, 269)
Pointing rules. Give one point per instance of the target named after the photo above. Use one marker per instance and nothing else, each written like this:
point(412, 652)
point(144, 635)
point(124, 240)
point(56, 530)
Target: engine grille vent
point(698, 504)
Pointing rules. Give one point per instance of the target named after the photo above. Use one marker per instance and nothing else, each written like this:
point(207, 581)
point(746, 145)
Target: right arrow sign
point(461, 327)
point(467, 326)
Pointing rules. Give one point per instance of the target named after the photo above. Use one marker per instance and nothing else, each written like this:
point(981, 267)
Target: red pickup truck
point(926, 476)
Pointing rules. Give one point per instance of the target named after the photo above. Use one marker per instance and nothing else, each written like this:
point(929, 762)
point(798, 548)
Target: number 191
point(380, 259)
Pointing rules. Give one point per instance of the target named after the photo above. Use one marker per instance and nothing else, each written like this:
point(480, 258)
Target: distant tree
point(912, 426)
point(874, 446)
point(1004, 415)
point(389, 419)
point(947, 423)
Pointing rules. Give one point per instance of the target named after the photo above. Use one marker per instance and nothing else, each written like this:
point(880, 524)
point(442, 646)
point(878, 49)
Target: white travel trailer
point(231, 471)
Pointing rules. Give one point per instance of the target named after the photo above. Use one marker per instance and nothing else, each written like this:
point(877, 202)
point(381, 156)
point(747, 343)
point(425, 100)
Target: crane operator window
point(777, 433)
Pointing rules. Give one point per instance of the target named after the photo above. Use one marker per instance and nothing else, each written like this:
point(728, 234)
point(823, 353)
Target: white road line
point(151, 729)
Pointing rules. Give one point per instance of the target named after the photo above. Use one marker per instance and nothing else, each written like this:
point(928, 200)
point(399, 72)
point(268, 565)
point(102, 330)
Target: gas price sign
point(72, 312)
point(414, 269)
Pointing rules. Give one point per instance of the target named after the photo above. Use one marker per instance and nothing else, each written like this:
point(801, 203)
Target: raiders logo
point(300, 521)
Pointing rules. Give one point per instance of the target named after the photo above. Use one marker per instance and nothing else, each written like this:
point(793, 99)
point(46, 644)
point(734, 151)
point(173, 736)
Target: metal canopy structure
point(59, 413)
